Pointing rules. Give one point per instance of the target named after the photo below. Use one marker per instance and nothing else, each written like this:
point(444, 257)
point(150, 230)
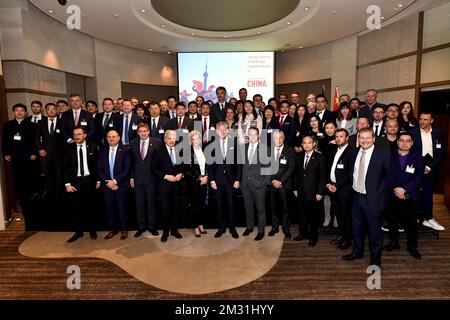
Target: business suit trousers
point(279, 206)
point(115, 208)
point(309, 217)
point(225, 205)
point(51, 175)
point(341, 206)
point(21, 171)
point(255, 198)
point(83, 201)
point(404, 212)
point(428, 184)
point(169, 194)
point(145, 206)
point(360, 214)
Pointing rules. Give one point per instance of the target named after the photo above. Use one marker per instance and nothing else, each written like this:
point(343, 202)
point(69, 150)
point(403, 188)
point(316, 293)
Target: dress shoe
point(164, 237)
point(247, 232)
point(176, 234)
point(300, 237)
point(138, 233)
point(259, 236)
point(154, 232)
point(75, 237)
point(344, 245)
point(197, 233)
point(287, 235)
point(234, 233)
point(414, 253)
point(110, 234)
point(93, 235)
point(352, 256)
point(219, 233)
point(123, 235)
point(312, 243)
point(392, 246)
point(273, 232)
point(202, 231)
point(336, 240)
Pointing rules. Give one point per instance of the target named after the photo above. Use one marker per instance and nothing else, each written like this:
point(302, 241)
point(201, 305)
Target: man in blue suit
point(126, 124)
point(371, 170)
point(428, 142)
point(114, 169)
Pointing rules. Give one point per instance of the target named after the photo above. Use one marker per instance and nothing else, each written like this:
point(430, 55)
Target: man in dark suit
point(361, 123)
point(378, 123)
point(224, 174)
point(181, 121)
point(310, 188)
point(168, 168)
point(144, 149)
point(18, 148)
point(127, 123)
point(429, 143)
point(408, 171)
point(104, 121)
point(157, 123)
point(286, 124)
point(80, 180)
point(193, 113)
point(205, 124)
point(218, 110)
point(77, 117)
point(283, 157)
point(114, 170)
point(372, 103)
point(36, 109)
point(340, 188)
point(254, 183)
point(322, 112)
point(171, 113)
point(49, 141)
point(371, 170)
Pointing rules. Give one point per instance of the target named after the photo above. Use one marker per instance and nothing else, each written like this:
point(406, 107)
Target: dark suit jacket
point(327, 116)
point(54, 143)
point(100, 132)
point(225, 172)
point(162, 165)
point(342, 171)
point(311, 180)
point(142, 169)
point(85, 120)
point(166, 114)
point(378, 178)
point(288, 129)
point(71, 161)
point(438, 146)
point(286, 167)
point(370, 110)
point(21, 149)
point(198, 125)
point(381, 130)
point(122, 166)
point(410, 181)
point(187, 124)
point(132, 127)
point(253, 173)
point(217, 114)
point(161, 125)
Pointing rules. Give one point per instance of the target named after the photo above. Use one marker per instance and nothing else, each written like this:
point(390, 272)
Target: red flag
point(336, 99)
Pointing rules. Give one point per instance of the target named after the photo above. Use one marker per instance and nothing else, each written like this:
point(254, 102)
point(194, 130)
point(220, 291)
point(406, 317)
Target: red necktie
point(205, 128)
point(76, 118)
point(179, 123)
point(281, 121)
point(142, 150)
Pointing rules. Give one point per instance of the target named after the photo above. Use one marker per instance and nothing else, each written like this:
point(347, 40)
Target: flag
point(336, 99)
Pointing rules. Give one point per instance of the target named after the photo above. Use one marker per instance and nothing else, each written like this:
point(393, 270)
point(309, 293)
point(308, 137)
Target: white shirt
point(36, 118)
point(380, 124)
point(104, 117)
point(85, 163)
point(156, 121)
point(49, 123)
point(320, 114)
point(178, 120)
point(125, 130)
point(307, 156)
point(254, 148)
point(343, 123)
point(74, 112)
point(145, 146)
point(356, 169)
point(276, 152)
point(173, 151)
point(427, 142)
point(201, 160)
point(339, 152)
point(222, 105)
point(172, 114)
point(225, 146)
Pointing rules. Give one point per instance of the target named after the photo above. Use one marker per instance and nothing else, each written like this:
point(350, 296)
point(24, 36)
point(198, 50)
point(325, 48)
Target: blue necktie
point(112, 158)
point(172, 156)
point(126, 128)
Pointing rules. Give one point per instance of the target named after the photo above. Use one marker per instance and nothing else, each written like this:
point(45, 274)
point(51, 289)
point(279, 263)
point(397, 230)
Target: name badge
point(297, 134)
point(83, 123)
point(185, 131)
point(269, 131)
point(111, 125)
point(438, 146)
point(212, 129)
point(58, 131)
point(283, 161)
point(17, 137)
point(161, 131)
point(340, 166)
point(319, 134)
point(410, 169)
point(134, 127)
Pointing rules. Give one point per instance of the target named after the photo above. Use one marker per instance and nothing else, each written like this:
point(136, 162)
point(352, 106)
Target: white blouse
point(201, 160)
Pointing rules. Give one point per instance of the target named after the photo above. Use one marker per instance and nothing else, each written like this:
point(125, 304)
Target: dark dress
point(196, 193)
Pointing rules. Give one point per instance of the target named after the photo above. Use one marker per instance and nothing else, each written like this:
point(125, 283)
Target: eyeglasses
point(404, 141)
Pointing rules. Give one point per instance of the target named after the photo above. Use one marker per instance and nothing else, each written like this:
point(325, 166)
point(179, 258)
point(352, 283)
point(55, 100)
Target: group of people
point(364, 163)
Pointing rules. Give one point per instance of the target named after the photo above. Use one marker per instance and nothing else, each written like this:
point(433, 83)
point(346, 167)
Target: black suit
point(220, 115)
point(288, 128)
point(82, 200)
point(225, 172)
point(157, 130)
point(145, 182)
point(169, 192)
point(279, 197)
point(341, 199)
point(195, 191)
point(370, 109)
point(133, 122)
point(102, 125)
point(199, 126)
point(309, 183)
point(85, 120)
point(186, 124)
point(326, 117)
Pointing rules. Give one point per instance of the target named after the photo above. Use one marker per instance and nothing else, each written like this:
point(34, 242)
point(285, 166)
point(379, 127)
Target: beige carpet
point(190, 265)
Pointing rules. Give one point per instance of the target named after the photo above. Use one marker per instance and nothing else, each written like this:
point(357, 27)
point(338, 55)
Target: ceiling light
point(163, 25)
point(150, 49)
point(143, 11)
point(288, 22)
point(306, 8)
point(225, 36)
point(334, 12)
point(259, 32)
point(50, 11)
point(382, 18)
point(300, 47)
point(168, 52)
point(116, 15)
point(400, 5)
point(192, 34)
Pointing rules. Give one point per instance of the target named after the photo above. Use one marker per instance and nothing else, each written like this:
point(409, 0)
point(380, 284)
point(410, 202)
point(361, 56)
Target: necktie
point(360, 184)
point(154, 125)
point(376, 130)
point(126, 130)
point(76, 118)
point(172, 115)
point(224, 152)
point(277, 156)
point(143, 150)
point(281, 121)
point(221, 106)
point(251, 153)
point(179, 123)
point(105, 121)
point(35, 119)
point(172, 156)
point(80, 152)
point(112, 158)
point(205, 129)
point(52, 126)
point(306, 161)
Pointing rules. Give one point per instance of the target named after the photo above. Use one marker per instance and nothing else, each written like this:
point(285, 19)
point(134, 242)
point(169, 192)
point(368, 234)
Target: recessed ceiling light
point(400, 5)
point(259, 32)
point(306, 8)
point(382, 18)
point(334, 12)
point(192, 34)
point(116, 15)
point(50, 11)
point(282, 50)
point(225, 36)
point(300, 47)
point(143, 11)
point(288, 22)
point(150, 49)
point(168, 52)
point(163, 25)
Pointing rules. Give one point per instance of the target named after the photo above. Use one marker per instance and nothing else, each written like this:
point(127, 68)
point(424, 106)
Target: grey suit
point(254, 187)
point(350, 126)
